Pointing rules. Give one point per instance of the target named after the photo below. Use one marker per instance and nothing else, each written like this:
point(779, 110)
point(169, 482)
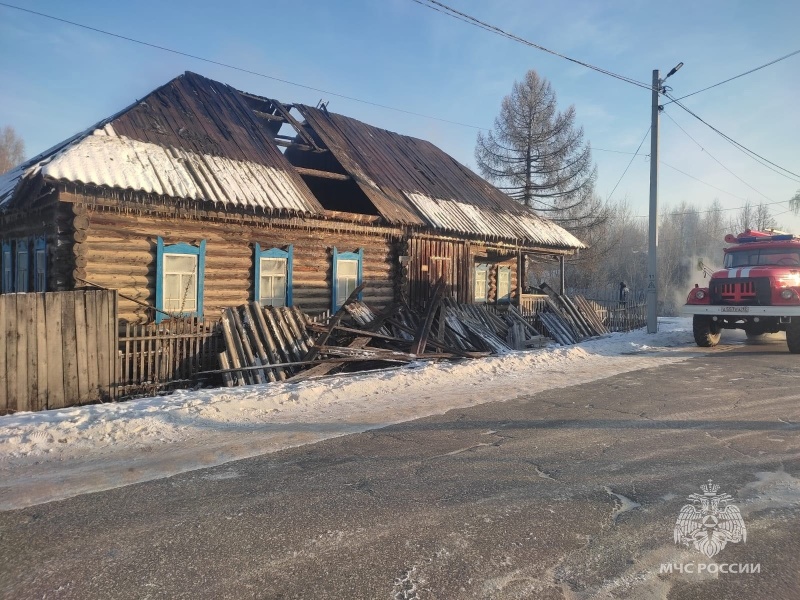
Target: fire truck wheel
point(793, 336)
point(707, 332)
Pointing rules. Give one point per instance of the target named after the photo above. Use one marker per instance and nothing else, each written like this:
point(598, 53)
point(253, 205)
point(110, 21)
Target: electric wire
point(751, 153)
point(699, 145)
point(635, 154)
point(770, 63)
point(234, 67)
point(466, 18)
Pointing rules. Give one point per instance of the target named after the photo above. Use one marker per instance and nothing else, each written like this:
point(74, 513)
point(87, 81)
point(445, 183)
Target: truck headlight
point(787, 294)
point(699, 294)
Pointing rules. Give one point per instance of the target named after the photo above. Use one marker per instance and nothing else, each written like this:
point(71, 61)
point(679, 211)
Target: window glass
point(503, 284)
point(753, 258)
point(481, 282)
point(273, 282)
point(22, 268)
point(40, 281)
point(8, 272)
point(180, 283)
point(346, 278)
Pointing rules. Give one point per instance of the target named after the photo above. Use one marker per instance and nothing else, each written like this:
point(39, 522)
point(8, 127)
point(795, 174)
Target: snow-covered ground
point(58, 454)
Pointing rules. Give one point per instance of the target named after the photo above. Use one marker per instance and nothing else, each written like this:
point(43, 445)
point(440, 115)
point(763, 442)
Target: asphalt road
point(566, 494)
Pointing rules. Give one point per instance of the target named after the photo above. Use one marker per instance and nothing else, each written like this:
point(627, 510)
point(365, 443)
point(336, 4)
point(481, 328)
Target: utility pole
point(652, 236)
point(652, 246)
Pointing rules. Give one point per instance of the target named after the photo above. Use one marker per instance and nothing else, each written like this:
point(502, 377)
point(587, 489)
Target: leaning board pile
point(265, 344)
point(567, 320)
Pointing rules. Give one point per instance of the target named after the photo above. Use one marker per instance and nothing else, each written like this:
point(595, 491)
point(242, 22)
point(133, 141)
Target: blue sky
point(58, 79)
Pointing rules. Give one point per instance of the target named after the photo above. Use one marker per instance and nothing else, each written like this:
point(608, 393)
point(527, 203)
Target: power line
point(234, 67)
point(700, 212)
point(701, 181)
point(752, 154)
point(635, 154)
point(461, 16)
point(614, 151)
point(772, 62)
point(699, 145)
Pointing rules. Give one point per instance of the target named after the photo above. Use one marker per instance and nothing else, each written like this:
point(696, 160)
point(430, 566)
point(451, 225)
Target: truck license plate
point(735, 309)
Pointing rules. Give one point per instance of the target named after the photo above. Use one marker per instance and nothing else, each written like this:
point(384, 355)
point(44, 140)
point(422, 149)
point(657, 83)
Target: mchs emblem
point(710, 522)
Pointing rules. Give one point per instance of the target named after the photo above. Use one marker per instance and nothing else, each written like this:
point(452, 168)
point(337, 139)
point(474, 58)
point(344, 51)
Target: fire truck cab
point(758, 290)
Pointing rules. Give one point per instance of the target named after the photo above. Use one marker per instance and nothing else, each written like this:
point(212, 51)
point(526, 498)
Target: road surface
point(566, 494)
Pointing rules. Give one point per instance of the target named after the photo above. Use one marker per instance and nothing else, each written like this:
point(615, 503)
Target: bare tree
point(12, 149)
point(794, 203)
point(744, 219)
point(537, 155)
point(764, 219)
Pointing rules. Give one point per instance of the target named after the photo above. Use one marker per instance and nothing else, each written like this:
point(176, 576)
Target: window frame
point(179, 248)
point(507, 298)
point(484, 269)
point(287, 254)
point(39, 245)
point(24, 243)
point(7, 260)
point(337, 256)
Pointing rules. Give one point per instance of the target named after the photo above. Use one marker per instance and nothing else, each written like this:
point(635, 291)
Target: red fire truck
point(758, 290)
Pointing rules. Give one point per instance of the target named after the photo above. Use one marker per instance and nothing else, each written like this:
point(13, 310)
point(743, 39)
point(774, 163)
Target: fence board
point(22, 353)
point(32, 355)
point(3, 380)
point(82, 347)
point(70, 350)
point(55, 354)
point(41, 353)
point(11, 350)
point(92, 347)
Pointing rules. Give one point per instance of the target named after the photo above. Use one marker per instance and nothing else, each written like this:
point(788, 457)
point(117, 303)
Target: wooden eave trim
point(210, 215)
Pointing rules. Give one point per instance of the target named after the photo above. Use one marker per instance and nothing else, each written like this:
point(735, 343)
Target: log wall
point(54, 220)
point(120, 253)
point(455, 260)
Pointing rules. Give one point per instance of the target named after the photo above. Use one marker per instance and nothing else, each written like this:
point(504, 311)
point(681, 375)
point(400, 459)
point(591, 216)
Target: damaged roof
point(412, 182)
point(198, 139)
point(191, 138)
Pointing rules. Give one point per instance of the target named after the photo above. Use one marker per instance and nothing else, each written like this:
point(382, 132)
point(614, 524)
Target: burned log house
point(200, 197)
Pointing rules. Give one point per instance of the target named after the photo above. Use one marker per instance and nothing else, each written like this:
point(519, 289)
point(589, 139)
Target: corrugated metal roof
point(191, 138)
point(412, 182)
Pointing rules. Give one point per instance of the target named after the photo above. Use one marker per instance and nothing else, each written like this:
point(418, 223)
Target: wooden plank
point(95, 328)
point(23, 385)
point(113, 340)
point(82, 345)
point(4, 302)
point(327, 367)
point(69, 346)
point(292, 343)
point(297, 330)
point(41, 353)
point(54, 350)
point(32, 351)
point(233, 350)
point(258, 345)
point(281, 344)
point(249, 359)
point(266, 338)
point(421, 339)
point(10, 341)
point(335, 319)
point(227, 377)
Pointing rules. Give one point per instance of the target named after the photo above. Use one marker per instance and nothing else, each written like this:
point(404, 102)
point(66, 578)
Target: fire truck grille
point(753, 291)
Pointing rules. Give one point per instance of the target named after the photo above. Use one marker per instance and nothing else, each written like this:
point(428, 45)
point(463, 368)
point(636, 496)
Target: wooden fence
point(57, 349)
point(168, 354)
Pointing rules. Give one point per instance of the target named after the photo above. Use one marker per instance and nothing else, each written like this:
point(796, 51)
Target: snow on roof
point(458, 216)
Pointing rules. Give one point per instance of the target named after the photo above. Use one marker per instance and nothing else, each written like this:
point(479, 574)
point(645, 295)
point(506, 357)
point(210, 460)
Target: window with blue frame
point(40, 265)
point(347, 275)
point(23, 266)
point(273, 276)
point(180, 279)
point(481, 288)
point(503, 285)
point(8, 268)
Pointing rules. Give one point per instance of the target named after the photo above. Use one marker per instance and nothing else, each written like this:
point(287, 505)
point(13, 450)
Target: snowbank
point(57, 454)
